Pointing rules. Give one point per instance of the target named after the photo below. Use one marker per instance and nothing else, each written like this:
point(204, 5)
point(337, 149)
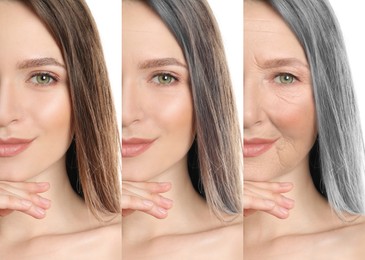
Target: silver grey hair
point(337, 158)
point(215, 159)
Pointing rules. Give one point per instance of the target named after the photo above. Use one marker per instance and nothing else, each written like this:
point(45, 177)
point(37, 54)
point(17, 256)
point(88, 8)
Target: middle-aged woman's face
point(279, 112)
point(157, 105)
point(35, 110)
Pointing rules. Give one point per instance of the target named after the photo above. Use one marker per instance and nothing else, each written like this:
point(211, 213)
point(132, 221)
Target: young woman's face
point(35, 111)
point(279, 112)
point(157, 116)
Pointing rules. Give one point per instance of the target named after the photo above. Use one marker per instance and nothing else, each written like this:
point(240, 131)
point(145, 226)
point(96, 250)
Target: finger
point(131, 204)
point(150, 187)
point(40, 201)
point(155, 198)
point(35, 212)
point(28, 187)
point(256, 203)
point(279, 212)
point(277, 187)
point(11, 203)
point(136, 203)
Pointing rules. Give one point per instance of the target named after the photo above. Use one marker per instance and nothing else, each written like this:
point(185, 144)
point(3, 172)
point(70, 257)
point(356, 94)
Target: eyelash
point(53, 79)
point(174, 81)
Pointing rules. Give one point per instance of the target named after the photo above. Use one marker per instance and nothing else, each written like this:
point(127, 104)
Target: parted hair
point(337, 158)
point(92, 160)
point(215, 158)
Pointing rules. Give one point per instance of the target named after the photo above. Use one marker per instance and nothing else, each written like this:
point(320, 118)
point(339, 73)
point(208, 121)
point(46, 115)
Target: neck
point(63, 216)
point(310, 214)
point(187, 205)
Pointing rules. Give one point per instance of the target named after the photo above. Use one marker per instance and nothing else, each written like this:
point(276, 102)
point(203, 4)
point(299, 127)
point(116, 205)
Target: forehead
point(23, 35)
point(267, 34)
point(145, 34)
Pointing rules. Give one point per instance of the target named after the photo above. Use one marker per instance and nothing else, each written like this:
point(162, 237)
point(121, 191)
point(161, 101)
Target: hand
point(267, 197)
point(145, 197)
point(23, 197)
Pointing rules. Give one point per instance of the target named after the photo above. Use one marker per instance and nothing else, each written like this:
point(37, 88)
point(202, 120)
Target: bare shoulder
point(102, 241)
point(221, 240)
point(344, 241)
point(224, 241)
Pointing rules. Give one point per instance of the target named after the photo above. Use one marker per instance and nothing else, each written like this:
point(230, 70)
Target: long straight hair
point(337, 158)
point(215, 158)
point(92, 159)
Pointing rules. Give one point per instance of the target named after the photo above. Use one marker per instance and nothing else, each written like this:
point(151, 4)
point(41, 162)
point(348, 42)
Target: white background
point(230, 22)
point(108, 17)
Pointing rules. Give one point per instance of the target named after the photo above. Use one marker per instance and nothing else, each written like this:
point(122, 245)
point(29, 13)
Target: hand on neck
point(66, 212)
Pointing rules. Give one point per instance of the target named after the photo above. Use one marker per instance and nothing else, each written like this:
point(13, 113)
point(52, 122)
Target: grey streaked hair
point(215, 158)
point(337, 158)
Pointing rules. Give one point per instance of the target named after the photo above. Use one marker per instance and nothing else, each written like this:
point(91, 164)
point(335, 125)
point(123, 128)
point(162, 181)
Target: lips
point(133, 147)
point(13, 146)
point(256, 146)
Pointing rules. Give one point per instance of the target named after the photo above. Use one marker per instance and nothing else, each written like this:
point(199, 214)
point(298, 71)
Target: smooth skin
point(278, 93)
point(178, 224)
point(41, 217)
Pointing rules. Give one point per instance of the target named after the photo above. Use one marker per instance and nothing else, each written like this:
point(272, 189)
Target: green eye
point(163, 79)
point(42, 79)
point(285, 79)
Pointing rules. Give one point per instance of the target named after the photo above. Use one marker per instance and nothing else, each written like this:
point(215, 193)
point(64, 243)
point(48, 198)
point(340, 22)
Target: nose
point(253, 113)
point(132, 110)
point(10, 104)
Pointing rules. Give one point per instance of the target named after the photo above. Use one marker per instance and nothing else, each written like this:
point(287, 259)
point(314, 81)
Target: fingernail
point(166, 200)
point(163, 211)
point(165, 184)
point(43, 184)
point(288, 201)
point(45, 201)
point(148, 203)
point(283, 210)
point(270, 203)
point(40, 211)
point(26, 203)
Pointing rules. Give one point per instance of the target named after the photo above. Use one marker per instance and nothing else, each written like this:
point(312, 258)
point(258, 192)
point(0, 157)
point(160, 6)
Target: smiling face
point(279, 112)
point(157, 116)
point(35, 110)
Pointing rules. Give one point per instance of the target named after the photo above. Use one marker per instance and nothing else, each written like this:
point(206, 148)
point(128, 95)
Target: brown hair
point(93, 157)
point(215, 159)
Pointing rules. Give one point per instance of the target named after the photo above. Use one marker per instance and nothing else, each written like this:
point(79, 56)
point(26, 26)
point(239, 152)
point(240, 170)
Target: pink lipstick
point(133, 147)
point(13, 146)
point(256, 146)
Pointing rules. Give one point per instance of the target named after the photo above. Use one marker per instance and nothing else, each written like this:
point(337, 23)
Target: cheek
point(295, 120)
point(53, 115)
point(295, 117)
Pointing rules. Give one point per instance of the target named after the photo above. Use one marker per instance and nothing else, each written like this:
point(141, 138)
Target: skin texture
point(39, 212)
point(274, 110)
point(164, 112)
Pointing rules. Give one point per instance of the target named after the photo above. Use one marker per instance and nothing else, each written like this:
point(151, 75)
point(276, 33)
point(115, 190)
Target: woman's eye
point(164, 79)
point(42, 79)
point(285, 78)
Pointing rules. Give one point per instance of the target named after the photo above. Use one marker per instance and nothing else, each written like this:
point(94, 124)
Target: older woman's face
point(157, 116)
point(35, 110)
point(279, 112)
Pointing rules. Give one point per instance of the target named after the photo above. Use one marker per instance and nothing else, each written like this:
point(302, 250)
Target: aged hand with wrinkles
point(23, 197)
point(145, 197)
point(267, 197)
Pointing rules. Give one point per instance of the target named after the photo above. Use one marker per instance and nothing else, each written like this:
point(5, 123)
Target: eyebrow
point(155, 63)
point(275, 63)
point(32, 63)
